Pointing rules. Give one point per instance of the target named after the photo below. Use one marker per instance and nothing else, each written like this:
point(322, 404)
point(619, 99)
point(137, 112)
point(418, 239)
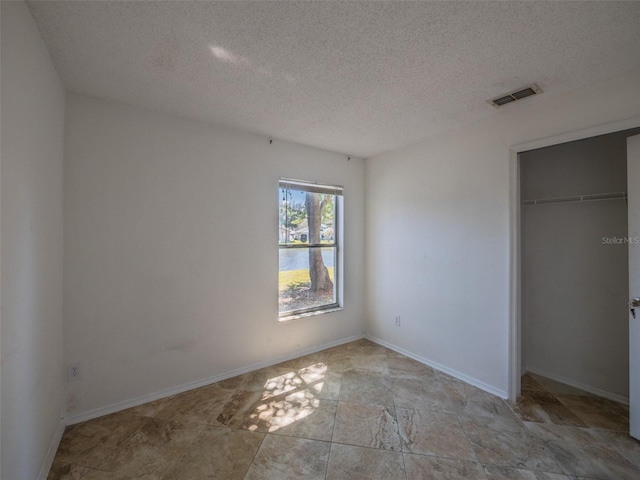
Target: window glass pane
point(306, 217)
point(297, 267)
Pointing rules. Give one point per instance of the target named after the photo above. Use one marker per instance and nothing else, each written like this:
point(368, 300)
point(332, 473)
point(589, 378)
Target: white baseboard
point(572, 383)
point(134, 402)
point(442, 368)
point(51, 452)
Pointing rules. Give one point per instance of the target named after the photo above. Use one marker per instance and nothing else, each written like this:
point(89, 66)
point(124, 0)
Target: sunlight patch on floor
point(301, 387)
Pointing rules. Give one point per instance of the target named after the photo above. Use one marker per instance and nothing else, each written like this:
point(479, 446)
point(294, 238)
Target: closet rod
point(577, 198)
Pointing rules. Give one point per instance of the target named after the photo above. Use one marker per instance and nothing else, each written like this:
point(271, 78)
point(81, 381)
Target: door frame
point(515, 271)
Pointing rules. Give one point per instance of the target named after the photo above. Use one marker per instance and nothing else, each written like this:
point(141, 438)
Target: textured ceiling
point(359, 78)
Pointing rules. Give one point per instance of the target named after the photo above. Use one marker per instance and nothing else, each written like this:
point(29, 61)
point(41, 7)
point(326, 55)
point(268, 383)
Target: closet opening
point(574, 277)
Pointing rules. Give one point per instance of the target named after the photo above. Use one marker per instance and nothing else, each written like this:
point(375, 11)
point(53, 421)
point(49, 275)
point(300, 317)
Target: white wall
point(31, 252)
point(575, 287)
point(438, 230)
point(171, 258)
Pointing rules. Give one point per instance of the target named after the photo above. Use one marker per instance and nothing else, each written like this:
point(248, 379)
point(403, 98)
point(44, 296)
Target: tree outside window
point(308, 247)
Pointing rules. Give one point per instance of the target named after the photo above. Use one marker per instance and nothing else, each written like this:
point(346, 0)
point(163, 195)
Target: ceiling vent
point(519, 94)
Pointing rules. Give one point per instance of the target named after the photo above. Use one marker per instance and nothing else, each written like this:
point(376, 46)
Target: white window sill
point(309, 314)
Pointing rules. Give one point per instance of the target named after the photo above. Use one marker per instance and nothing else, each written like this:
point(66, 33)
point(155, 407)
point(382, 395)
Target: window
point(308, 243)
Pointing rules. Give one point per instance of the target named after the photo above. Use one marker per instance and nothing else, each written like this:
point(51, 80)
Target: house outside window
point(308, 247)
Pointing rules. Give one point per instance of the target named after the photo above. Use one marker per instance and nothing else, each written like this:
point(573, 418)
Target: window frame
point(337, 192)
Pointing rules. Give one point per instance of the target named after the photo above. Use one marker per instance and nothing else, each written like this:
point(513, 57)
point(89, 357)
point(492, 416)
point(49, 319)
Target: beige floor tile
point(628, 446)
point(348, 462)
point(409, 392)
point(89, 443)
point(247, 410)
point(314, 375)
point(371, 363)
point(340, 361)
point(445, 377)
point(364, 347)
point(421, 467)
point(271, 414)
point(275, 381)
point(289, 458)
point(366, 425)
point(469, 400)
point(597, 412)
point(354, 355)
point(555, 387)
point(578, 436)
point(100, 475)
point(268, 381)
point(152, 449)
point(207, 406)
point(303, 377)
point(365, 387)
point(594, 462)
point(543, 407)
point(506, 442)
point(328, 387)
point(318, 378)
point(506, 473)
point(217, 453)
point(150, 409)
point(329, 352)
point(433, 433)
point(302, 362)
point(279, 422)
point(303, 415)
point(582, 452)
point(232, 383)
point(401, 365)
point(528, 382)
point(67, 472)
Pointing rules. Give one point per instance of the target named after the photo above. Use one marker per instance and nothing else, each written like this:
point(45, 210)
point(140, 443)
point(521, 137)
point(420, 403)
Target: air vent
point(519, 94)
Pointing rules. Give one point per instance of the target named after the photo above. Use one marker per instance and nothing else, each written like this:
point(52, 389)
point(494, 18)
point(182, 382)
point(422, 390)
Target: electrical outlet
point(397, 321)
point(73, 372)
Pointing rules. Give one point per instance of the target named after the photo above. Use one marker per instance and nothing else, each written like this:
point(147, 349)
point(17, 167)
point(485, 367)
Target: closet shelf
point(577, 198)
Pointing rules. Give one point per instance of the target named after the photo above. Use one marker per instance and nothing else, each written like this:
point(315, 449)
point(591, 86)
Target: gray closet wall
point(574, 263)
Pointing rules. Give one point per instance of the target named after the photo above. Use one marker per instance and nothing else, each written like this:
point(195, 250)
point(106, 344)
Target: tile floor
point(358, 411)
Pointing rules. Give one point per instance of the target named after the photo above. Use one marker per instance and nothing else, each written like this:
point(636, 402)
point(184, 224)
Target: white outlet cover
point(73, 372)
